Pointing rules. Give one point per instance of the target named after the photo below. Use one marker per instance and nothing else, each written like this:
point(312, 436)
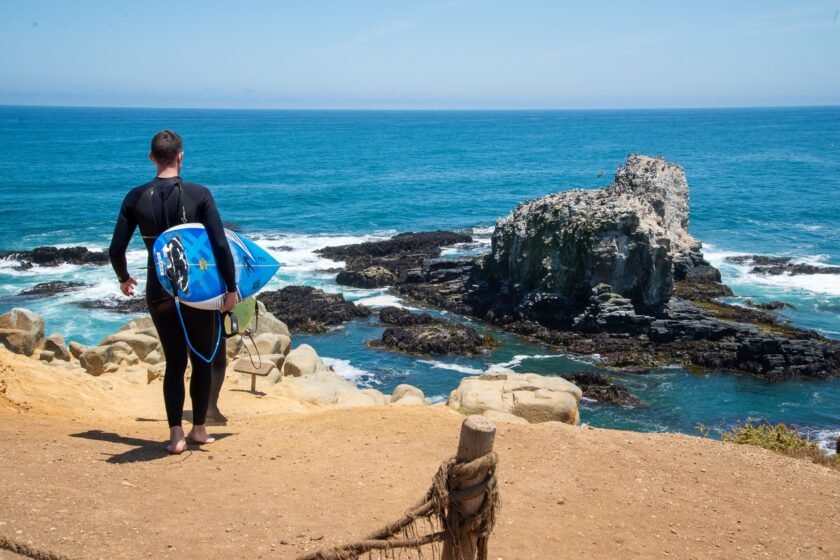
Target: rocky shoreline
point(296, 373)
point(611, 271)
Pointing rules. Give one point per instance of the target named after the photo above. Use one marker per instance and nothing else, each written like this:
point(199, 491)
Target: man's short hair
point(166, 145)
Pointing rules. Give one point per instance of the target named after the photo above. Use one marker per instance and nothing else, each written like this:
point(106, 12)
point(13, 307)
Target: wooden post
point(477, 435)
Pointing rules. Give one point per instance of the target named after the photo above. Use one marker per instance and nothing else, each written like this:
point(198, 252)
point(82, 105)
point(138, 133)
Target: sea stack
point(549, 254)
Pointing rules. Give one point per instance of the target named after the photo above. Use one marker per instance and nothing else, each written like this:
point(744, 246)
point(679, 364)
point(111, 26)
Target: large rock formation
point(549, 254)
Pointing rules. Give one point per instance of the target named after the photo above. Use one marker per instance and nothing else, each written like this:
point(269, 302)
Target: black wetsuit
point(155, 207)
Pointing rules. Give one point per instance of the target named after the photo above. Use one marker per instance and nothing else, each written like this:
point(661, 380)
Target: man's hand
point(127, 287)
point(230, 302)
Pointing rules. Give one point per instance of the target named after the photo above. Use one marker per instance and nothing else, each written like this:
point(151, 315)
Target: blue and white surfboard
point(184, 260)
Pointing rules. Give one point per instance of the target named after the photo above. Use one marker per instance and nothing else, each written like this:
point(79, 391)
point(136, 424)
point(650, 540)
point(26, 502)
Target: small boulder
point(140, 344)
point(270, 343)
point(21, 331)
point(533, 397)
point(154, 357)
point(76, 348)
point(371, 277)
point(407, 392)
point(46, 356)
point(302, 361)
point(268, 323)
point(55, 344)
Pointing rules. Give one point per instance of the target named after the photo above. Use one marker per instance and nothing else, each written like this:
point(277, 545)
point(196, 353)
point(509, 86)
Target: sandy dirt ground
point(83, 473)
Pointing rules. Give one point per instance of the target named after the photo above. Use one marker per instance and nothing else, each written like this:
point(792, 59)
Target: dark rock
point(427, 243)
point(135, 304)
point(602, 389)
point(794, 269)
point(550, 253)
point(759, 260)
point(55, 287)
point(307, 309)
point(399, 317)
point(370, 277)
point(770, 305)
point(435, 338)
point(610, 312)
point(52, 256)
point(775, 266)
point(282, 248)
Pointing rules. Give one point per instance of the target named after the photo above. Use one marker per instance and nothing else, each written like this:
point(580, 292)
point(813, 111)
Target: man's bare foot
point(177, 443)
point(198, 435)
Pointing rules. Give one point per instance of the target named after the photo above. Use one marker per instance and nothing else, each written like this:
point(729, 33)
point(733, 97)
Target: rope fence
point(460, 506)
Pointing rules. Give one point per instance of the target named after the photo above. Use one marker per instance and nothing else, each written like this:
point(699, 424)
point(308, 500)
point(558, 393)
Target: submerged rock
point(308, 309)
point(392, 261)
point(136, 304)
point(443, 339)
point(55, 287)
point(602, 389)
point(420, 333)
point(53, 256)
point(776, 266)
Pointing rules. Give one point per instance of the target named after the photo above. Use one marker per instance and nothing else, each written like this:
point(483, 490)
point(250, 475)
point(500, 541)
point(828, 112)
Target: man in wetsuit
point(156, 206)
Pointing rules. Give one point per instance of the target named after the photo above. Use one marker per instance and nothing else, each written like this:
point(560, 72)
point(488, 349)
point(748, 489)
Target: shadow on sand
point(142, 449)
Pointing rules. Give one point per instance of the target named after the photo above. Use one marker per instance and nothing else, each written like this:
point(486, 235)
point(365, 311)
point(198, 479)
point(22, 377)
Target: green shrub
point(781, 439)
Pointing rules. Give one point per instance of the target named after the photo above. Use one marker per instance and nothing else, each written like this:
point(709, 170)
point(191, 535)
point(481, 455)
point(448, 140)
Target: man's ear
point(152, 158)
point(180, 158)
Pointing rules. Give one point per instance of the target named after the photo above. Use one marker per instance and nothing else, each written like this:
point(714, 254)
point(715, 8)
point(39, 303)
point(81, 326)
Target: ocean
point(762, 181)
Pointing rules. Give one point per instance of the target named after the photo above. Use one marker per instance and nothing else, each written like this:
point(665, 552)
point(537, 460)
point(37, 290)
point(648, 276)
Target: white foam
point(350, 372)
point(487, 230)
point(737, 274)
point(452, 367)
point(383, 300)
point(519, 358)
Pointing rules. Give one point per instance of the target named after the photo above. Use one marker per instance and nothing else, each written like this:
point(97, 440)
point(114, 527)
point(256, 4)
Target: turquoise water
point(762, 181)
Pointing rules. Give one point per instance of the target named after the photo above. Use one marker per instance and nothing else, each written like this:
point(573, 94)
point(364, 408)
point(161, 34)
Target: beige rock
point(405, 390)
point(153, 357)
point(533, 397)
point(377, 396)
point(21, 331)
point(46, 356)
point(276, 359)
point(270, 343)
point(504, 417)
point(140, 323)
point(97, 359)
point(55, 344)
point(322, 387)
point(409, 400)
point(302, 361)
point(140, 344)
point(76, 348)
point(268, 323)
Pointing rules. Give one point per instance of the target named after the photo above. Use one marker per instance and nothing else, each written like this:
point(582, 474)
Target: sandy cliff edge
point(83, 473)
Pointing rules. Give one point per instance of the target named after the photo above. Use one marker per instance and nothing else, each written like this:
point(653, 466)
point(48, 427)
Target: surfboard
point(187, 269)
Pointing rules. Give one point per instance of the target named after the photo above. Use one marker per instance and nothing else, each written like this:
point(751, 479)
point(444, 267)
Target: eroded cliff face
point(549, 254)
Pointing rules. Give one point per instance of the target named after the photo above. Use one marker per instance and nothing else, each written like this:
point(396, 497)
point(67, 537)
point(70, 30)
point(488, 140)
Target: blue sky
point(413, 54)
